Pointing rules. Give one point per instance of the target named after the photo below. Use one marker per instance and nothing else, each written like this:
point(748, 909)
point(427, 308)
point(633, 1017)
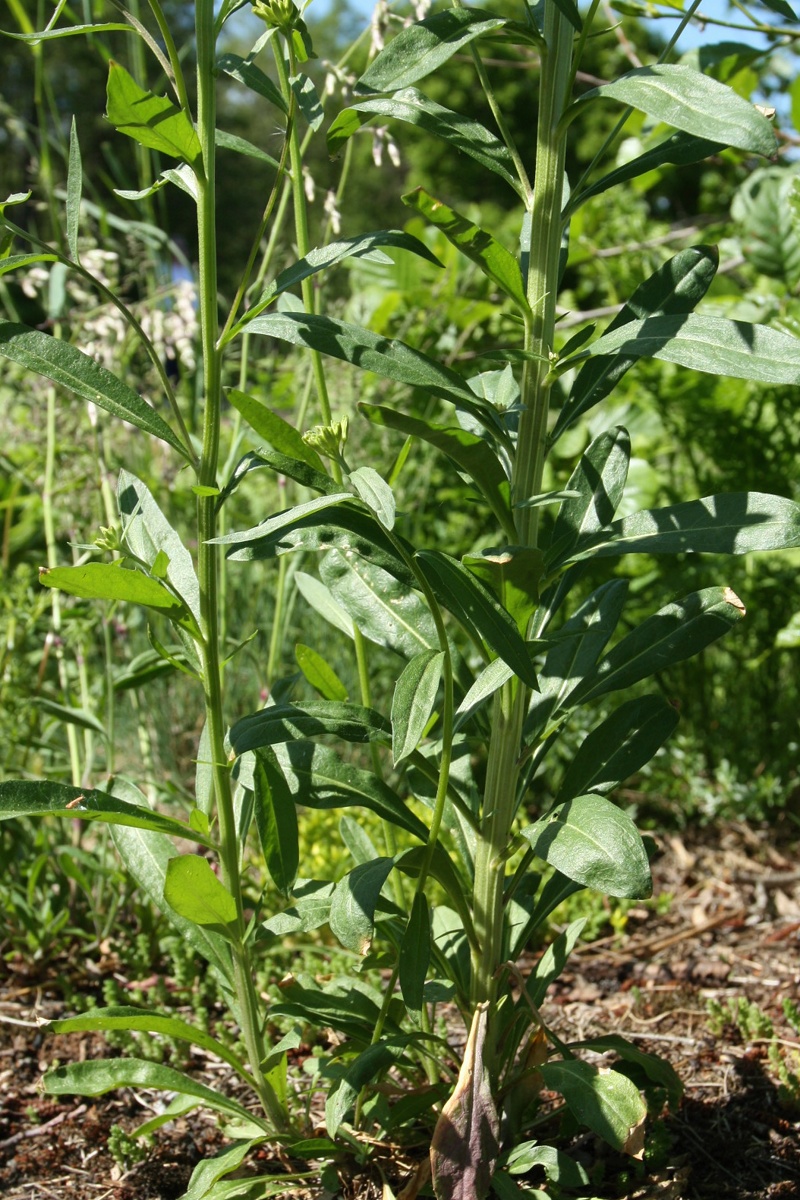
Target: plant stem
point(502, 773)
point(208, 559)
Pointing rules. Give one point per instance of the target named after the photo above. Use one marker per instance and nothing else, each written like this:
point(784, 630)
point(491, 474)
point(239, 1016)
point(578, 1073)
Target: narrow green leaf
point(386, 611)
point(104, 1075)
point(17, 262)
point(552, 963)
point(443, 870)
point(677, 631)
point(557, 1165)
point(475, 607)
point(319, 673)
point(151, 1022)
point(590, 840)
point(252, 77)
point(493, 259)
point(319, 597)
point(311, 910)
point(320, 779)
point(676, 287)
point(579, 643)
point(195, 892)
point(365, 245)
point(732, 523)
point(282, 436)
point(66, 365)
point(240, 145)
point(357, 840)
point(376, 493)
point(211, 1170)
point(679, 149)
point(604, 1100)
point(107, 581)
point(422, 48)
point(74, 190)
point(619, 746)
point(369, 351)
point(513, 573)
point(490, 680)
point(688, 100)
point(599, 481)
point(308, 101)
point(355, 897)
point(414, 698)
point(283, 521)
point(50, 35)
point(413, 107)
point(713, 344)
point(367, 1066)
point(146, 856)
point(468, 451)
point(148, 534)
point(71, 716)
point(276, 820)
point(33, 798)
point(286, 722)
point(415, 954)
point(151, 120)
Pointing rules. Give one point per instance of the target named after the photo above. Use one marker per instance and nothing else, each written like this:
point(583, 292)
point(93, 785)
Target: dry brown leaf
point(464, 1148)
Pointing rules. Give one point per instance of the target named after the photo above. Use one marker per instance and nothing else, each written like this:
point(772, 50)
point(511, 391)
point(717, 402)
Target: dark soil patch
point(731, 932)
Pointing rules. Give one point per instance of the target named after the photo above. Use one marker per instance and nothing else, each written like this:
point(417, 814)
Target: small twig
point(39, 1129)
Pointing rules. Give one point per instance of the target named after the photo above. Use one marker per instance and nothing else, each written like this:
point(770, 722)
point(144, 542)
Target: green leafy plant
point(502, 645)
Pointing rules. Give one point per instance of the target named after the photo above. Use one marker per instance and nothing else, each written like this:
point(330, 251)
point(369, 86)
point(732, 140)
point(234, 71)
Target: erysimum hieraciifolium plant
point(500, 648)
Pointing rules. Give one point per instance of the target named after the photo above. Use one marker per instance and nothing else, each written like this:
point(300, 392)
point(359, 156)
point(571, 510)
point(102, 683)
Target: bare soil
point(729, 930)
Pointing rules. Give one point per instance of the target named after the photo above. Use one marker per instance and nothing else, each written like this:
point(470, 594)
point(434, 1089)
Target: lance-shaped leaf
point(676, 287)
point(67, 366)
point(478, 611)
point(146, 856)
point(678, 631)
point(148, 533)
point(422, 48)
point(369, 351)
point(413, 107)
point(319, 673)
point(604, 1100)
point(551, 964)
point(442, 869)
point(127, 1017)
point(688, 100)
point(352, 917)
point(104, 1075)
point(679, 149)
point(286, 722)
point(493, 259)
point(276, 820)
point(619, 746)
point(252, 77)
point(284, 521)
point(365, 245)
point(465, 1146)
point(38, 798)
point(599, 481)
point(195, 892)
point(713, 344)
point(109, 581)
point(320, 779)
point(468, 451)
point(282, 436)
point(732, 523)
point(17, 262)
point(579, 644)
point(74, 189)
point(413, 701)
point(590, 840)
point(386, 611)
point(367, 1066)
point(376, 493)
point(311, 909)
point(151, 120)
point(415, 954)
point(513, 573)
point(240, 145)
point(51, 35)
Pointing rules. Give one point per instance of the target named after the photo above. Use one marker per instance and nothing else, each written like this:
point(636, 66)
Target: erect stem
point(502, 772)
point(208, 558)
